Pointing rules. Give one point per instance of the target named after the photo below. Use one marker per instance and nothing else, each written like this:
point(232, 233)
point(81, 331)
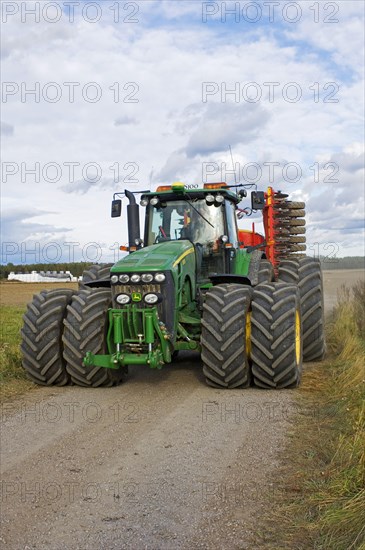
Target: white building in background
point(43, 277)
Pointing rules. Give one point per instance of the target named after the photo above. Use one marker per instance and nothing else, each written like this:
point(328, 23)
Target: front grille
point(129, 288)
point(165, 309)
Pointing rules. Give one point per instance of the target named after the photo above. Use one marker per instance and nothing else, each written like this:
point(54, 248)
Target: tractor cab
point(205, 217)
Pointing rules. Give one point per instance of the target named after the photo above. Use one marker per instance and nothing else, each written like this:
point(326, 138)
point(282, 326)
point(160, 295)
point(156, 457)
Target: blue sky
point(152, 116)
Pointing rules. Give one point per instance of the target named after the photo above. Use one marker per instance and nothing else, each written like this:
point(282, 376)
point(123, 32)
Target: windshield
point(182, 219)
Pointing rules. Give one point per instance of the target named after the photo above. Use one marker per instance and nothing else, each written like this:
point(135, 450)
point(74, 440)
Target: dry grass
point(14, 297)
point(321, 503)
point(13, 380)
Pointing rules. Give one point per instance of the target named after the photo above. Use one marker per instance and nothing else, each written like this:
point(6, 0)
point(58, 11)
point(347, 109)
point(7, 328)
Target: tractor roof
point(178, 191)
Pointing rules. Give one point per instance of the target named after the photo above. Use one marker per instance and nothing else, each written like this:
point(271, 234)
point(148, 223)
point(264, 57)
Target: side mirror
point(116, 208)
point(257, 200)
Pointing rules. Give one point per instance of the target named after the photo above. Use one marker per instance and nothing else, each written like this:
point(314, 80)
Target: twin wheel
point(252, 335)
point(263, 334)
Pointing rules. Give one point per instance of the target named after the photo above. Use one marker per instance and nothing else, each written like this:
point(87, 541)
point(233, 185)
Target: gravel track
point(161, 462)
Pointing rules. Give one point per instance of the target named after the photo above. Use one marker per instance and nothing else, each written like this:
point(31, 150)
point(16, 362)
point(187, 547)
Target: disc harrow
point(284, 226)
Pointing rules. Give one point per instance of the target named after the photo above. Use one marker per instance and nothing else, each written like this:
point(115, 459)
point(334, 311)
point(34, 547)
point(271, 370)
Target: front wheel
point(41, 345)
point(86, 326)
point(276, 336)
point(225, 336)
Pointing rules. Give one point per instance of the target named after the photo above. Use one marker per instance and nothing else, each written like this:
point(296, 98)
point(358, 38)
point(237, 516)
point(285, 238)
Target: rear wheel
point(96, 272)
point(276, 342)
point(41, 333)
point(86, 326)
point(307, 274)
point(225, 336)
point(266, 272)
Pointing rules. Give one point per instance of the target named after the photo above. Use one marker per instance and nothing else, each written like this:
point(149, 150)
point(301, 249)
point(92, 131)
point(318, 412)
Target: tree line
point(349, 262)
point(77, 268)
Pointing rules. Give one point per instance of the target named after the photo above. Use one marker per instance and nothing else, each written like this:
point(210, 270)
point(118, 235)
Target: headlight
point(114, 279)
point(154, 201)
point(147, 277)
point(123, 299)
point(224, 238)
point(160, 277)
point(144, 202)
point(209, 198)
point(219, 198)
point(135, 278)
point(151, 298)
point(124, 278)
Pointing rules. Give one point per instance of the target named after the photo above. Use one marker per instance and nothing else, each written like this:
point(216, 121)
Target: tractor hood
point(158, 257)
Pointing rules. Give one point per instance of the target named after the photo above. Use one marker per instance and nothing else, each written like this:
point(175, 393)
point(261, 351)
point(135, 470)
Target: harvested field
point(14, 293)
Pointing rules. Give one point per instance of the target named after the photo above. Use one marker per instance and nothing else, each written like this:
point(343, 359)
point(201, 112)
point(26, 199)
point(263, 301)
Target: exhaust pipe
point(132, 219)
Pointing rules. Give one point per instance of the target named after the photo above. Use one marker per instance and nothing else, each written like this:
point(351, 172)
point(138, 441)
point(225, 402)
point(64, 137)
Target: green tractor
point(251, 305)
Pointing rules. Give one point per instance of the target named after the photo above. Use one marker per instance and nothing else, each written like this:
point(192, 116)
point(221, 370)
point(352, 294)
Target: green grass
point(13, 379)
point(321, 502)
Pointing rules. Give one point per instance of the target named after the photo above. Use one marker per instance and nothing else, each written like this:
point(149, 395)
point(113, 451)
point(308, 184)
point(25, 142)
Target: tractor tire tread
point(41, 345)
point(85, 330)
point(273, 330)
point(223, 338)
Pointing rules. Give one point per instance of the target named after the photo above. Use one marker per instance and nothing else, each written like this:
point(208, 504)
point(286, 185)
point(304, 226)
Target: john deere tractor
point(250, 304)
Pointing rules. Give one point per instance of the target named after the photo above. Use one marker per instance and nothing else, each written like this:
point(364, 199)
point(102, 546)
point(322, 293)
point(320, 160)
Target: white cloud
point(7, 129)
point(170, 128)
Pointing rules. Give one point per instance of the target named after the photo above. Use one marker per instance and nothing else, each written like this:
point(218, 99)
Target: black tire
point(307, 274)
point(41, 345)
point(223, 339)
point(85, 330)
point(276, 344)
point(266, 272)
point(96, 272)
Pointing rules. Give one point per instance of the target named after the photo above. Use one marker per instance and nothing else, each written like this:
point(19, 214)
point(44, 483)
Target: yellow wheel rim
point(248, 334)
point(298, 336)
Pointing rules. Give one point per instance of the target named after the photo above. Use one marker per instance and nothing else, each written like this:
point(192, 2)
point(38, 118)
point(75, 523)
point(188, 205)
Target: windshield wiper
point(196, 210)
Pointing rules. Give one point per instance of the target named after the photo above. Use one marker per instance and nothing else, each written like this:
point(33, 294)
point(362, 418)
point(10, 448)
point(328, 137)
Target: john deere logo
point(136, 296)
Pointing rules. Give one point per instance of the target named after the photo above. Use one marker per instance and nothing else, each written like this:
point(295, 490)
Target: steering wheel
point(161, 237)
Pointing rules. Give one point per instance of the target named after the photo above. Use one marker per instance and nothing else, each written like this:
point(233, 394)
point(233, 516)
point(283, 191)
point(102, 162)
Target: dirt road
point(162, 462)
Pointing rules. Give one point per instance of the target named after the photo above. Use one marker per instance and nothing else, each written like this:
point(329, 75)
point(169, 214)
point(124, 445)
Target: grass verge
point(320, 499)
point(13, 380)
